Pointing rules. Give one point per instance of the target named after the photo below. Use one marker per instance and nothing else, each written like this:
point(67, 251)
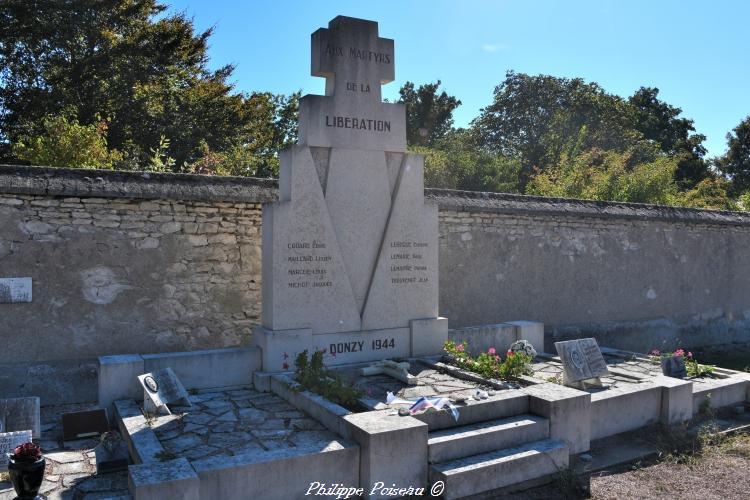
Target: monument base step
point(459, 442)
point(498, 469)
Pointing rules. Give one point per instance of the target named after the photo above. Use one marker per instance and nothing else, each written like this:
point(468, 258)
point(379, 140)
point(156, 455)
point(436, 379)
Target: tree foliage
point(65, 143)
point(429, 115)
point(736, 162)
point(140, 70)
point(456, 164)
point(636, 175)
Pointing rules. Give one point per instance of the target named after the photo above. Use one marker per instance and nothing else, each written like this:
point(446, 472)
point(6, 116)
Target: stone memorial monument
point(350, 250)
point(582, 362)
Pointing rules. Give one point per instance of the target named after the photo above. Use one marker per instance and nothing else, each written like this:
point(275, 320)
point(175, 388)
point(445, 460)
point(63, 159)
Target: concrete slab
point(498, 469)
point(568, 410)
point(676, 400)
point(483, 437)
point(393, 449)
point(428, 336)
point(500, 405)
point(118, 379)
point(160, 480)
point(624, 408)
point(208, 369)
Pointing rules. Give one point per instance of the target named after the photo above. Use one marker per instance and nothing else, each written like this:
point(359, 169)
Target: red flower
point(491, 350)
point(509, 353)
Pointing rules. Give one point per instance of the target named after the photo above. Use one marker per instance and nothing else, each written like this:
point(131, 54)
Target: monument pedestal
point(424, 337)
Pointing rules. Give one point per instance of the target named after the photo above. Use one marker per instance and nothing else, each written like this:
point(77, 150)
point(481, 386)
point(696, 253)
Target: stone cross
point(352, 58)
point(355, 62)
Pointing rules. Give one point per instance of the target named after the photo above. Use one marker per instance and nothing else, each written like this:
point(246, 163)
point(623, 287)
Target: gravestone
point(350, 263)
point(82, 424)
point(582, 361)
point(8, 442)
point(20, 414)
point(160, 389)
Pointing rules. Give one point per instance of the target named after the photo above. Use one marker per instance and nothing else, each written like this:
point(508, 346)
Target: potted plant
point(26, 470)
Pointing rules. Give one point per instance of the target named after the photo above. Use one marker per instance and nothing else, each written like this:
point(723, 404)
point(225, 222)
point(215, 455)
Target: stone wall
point(138, 263)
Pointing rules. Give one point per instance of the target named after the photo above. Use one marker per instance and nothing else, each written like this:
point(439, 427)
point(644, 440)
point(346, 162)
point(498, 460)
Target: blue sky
point(696, 53)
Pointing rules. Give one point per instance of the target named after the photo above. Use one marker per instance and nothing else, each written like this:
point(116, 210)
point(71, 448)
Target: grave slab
point(159, 480)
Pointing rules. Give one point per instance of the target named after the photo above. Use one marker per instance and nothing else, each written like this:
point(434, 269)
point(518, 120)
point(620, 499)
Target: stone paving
point(71, 468)
point(636, 370)
point(430, 383)
point(236, 423)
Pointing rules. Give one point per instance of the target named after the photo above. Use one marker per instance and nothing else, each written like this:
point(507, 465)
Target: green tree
point(429, 114)
point(142, 70)
point(736, 162)
point(660, 122)
point(455, 163)
point(538, 118)
point(712, 193)
point(640, 175)
point(65, 143)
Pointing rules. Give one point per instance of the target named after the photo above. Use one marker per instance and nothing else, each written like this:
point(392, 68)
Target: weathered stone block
point(118, 379)
point(428, 336)
point(393, 448)
point(160, 480)
point(568, 411)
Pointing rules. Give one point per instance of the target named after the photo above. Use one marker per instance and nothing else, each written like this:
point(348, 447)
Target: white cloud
point(495, 47)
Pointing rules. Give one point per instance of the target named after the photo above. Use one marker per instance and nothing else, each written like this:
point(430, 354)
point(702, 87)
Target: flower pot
point(674, 366)
point(26, 477)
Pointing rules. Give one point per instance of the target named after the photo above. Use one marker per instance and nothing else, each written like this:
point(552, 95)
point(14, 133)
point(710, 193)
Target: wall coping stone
point(75, 182)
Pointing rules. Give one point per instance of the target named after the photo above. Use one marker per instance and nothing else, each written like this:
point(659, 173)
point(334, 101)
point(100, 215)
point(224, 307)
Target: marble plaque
point(15, 290)
point(8, 442)
point(87, 423)
point(162, 388)
point(581, 359)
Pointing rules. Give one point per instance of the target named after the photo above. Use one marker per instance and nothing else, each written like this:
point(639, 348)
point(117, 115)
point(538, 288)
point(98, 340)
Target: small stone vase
point(26, 477)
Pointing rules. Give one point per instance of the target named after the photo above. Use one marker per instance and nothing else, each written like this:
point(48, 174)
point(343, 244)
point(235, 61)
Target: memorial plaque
point(581, 359)
point(350, 250)
point(83, 424)
point(15, 290)
point(8, 442)
point(19, 414)
point(162, 388)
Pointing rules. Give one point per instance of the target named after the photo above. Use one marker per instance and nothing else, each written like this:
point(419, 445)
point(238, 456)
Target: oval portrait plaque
point(151, 383)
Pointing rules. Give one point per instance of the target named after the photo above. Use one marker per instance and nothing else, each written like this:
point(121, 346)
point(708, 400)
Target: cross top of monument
point(352, 58)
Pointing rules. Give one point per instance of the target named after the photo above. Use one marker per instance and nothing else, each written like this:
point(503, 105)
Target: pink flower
point(491, 350)
point(655, 352)
point(679, 352)
point(690, 355)
point(460, 348)
point(497, 358)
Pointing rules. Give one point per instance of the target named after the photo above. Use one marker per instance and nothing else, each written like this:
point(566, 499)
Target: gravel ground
point(719, 470)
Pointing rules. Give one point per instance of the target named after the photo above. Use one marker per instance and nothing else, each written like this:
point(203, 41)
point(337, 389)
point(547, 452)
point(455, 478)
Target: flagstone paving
point(71, 468)
point(239, 422)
